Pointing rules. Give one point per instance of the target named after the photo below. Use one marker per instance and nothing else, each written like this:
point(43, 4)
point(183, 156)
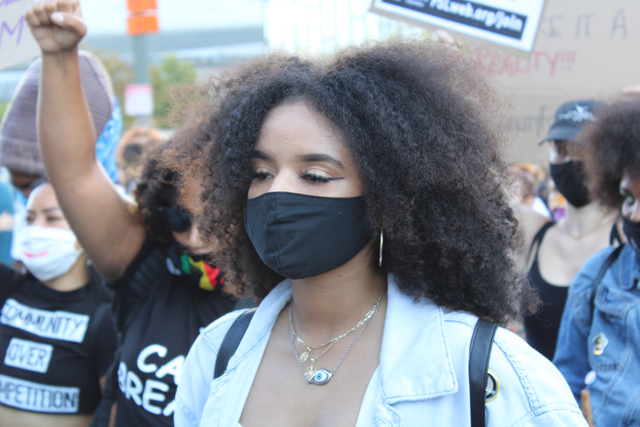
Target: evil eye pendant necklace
point(322, 376)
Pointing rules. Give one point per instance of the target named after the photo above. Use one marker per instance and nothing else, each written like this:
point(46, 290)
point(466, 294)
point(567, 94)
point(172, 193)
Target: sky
point(109, 16)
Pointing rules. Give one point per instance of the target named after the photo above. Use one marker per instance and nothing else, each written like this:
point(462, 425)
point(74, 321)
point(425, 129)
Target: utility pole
point(141, 21)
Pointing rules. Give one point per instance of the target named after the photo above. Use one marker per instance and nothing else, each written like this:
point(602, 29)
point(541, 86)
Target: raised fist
point(56, 25)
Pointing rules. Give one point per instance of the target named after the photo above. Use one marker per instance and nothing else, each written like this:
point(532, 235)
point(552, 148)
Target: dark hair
point(612, 148)
point(418, 120)
point(156, 188)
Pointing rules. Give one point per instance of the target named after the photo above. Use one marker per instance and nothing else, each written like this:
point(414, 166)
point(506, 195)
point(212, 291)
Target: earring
point(381, 242)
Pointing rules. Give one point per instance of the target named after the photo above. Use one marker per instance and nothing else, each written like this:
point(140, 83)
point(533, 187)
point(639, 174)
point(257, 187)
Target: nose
point(632, 212)
point(193, 236)
point(39, 221)
point(190, 238)
point(285, 181)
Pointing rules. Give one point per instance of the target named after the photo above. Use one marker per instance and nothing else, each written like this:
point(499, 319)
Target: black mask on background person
point(632, 231)
point(569, 180)
point(300, 236)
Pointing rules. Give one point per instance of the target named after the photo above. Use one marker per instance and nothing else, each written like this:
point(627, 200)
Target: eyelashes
point(261, 176)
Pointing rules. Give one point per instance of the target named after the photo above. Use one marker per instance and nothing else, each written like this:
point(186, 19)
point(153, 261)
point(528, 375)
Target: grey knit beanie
point(18, 139)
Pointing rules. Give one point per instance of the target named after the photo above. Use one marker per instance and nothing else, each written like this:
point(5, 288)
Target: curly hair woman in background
point(598, 342)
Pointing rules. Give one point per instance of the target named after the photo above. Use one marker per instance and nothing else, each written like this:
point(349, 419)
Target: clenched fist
point(56, 25)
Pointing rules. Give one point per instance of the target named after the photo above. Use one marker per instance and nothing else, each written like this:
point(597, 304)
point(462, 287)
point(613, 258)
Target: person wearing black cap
point(559, 250)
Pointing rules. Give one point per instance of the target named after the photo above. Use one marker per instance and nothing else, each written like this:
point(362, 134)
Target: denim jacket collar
point(630, 270)
point(409, 330)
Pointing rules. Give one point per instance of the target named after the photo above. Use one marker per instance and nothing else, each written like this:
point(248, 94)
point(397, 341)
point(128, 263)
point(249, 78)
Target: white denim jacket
point(423, 372)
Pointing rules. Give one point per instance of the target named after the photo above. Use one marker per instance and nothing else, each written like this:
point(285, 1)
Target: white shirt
point(423, 372)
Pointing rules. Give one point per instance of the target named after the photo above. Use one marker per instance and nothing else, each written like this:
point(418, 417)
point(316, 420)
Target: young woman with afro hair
point(360, 202)
point(599, 338)
point(150, 254)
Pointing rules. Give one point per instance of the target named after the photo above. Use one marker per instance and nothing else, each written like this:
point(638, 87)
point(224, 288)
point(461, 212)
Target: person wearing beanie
point(559, 250)
point(18, 136)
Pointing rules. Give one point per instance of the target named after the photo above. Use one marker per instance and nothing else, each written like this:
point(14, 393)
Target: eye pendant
point(320, 377)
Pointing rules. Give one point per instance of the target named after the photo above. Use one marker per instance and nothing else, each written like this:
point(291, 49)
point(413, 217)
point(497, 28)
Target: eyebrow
point(307, 158)
point(43, 210)
point(322, 158)
point(257, 154)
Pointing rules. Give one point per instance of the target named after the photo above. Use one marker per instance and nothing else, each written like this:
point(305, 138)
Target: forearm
point(65, 129)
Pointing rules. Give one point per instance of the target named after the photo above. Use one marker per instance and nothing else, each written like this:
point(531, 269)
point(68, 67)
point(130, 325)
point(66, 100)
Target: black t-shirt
point(167, 318)
point(54, 345)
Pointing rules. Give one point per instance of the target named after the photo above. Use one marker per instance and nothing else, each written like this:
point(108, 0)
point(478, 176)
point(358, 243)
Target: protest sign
point(584, 49)
point(510, 23)
point(16, 41)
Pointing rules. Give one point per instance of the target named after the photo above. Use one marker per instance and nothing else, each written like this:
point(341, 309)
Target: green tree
point(166, 78)
point(3, 108)
point(121, 74)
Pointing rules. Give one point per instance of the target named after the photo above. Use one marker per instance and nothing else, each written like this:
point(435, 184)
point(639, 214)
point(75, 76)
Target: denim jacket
point(607, 345)
point(422, 378)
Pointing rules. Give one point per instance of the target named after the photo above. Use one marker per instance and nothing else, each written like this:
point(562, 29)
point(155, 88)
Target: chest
point(560, 257)
point(279, 395)
point(47, 349)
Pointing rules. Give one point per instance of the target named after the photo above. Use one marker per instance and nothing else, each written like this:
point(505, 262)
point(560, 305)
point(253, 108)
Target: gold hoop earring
point(381, 243)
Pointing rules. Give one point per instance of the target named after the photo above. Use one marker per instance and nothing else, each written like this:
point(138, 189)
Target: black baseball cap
point(571, 117)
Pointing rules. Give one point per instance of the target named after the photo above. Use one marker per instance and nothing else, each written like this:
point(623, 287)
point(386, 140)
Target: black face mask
point(300, 236)
point(569, 179)
point(632, 231)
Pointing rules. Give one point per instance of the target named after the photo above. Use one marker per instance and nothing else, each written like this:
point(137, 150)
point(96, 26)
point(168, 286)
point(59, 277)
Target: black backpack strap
point(231, 341)
point(479, 355)
point(537, 239)
point(614, 236)
point(613, 256)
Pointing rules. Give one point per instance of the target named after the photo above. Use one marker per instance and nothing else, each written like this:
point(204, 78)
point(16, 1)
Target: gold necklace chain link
point(306, 355)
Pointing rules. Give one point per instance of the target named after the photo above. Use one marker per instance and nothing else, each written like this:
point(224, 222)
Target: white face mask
point(47, 252)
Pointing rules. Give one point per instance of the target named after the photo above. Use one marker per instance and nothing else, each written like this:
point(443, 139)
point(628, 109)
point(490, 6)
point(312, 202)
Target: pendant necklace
point(322, 376)
point(308, 349)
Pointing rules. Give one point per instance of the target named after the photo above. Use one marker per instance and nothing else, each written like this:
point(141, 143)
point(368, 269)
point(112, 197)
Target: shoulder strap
point(535, 243)
point(603, 270)
point(614, 236)
point(231, 341)
point(479, 355)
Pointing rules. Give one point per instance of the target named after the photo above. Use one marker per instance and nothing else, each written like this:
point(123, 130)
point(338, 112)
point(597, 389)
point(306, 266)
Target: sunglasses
point(176, 219)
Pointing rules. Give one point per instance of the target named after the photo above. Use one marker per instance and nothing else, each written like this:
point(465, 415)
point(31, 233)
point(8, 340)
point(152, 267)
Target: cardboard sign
point(138, 100)
point(16, 41)
point(584, 49)
point(137, 6)
point(511, 23)
point(142, 24)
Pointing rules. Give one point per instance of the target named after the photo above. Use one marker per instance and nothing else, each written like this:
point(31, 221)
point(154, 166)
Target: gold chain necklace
point(307, 348)
point(321, 377)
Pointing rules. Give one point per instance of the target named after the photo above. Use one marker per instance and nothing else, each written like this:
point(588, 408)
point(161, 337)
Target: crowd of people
point(361, 202)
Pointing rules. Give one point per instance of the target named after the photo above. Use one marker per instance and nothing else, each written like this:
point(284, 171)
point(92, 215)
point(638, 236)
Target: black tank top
point(542, 327)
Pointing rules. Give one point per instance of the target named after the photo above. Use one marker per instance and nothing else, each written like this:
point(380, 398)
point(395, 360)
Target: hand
point(56, 25)
point(585, 404)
